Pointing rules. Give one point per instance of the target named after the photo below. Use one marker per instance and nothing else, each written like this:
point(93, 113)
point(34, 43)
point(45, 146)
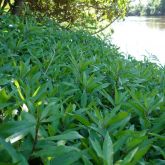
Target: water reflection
point(156, 22)
point(151, 22)
point(140, 36)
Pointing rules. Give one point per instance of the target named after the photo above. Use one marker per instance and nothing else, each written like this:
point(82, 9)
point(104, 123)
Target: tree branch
point(100, 30)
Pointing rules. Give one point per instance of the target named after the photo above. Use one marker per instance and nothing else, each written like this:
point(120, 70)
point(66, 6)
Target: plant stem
point(36, 135)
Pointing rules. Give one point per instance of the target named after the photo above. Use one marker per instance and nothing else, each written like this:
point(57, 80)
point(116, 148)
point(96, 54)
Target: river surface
point(141, 36)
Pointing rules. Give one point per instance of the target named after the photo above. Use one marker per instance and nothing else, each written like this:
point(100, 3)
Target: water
point(141, 36)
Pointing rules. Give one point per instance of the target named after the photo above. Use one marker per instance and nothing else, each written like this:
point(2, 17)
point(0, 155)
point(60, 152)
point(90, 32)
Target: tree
point(162, 7)
point(153, 7)
point(135, 10)
point(74, 12)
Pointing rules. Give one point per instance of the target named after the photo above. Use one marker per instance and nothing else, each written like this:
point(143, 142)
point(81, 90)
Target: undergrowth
point(68, 98)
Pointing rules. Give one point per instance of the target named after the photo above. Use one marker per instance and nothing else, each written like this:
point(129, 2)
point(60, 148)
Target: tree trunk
point(17, 6)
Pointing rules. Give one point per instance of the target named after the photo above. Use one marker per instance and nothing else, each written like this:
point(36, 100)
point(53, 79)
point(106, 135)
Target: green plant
point(67, 97)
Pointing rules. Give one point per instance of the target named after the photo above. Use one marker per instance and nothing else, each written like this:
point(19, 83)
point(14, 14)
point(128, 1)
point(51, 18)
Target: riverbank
point(67, 97)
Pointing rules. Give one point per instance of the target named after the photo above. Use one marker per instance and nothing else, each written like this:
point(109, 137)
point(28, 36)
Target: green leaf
point(118, 121)
point(97, 147)
point(101, 87)
point(54, 151)
point(127, 160)
point(81, 119)
point(159, 124)
point(160, 150)
point(70, 135)
point(108, 150)
point(112, 114)
point(66, 159)
point(15, 129)
point(107, 96)
point(86, 161)
point(26, 116)
point(135, 141)
point(19, 90)
point(16, 157)
point(4, 97)
point(84, 99)
point(120, 142)
point(143, 148)
point(158, 162)
point(49, 110)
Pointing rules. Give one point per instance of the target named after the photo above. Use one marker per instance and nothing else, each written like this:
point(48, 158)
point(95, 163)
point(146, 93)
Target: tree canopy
point(74, 12)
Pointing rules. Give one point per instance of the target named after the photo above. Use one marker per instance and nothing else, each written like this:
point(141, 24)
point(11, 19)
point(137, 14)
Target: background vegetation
point(68, 98)
point(153, 8)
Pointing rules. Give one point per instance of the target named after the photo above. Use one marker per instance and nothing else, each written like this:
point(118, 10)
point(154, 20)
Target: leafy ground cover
point(68, 98)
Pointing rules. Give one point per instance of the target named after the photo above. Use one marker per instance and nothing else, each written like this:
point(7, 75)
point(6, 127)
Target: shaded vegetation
point(69, 98)
point(89, 14)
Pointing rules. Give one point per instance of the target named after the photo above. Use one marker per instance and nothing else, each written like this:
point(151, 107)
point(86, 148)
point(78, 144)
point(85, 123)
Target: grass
point(68, 98)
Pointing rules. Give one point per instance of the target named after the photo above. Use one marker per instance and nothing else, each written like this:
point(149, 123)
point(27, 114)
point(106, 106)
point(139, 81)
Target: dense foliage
point(85, 13)
point(153, 8)
point(67, 98)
